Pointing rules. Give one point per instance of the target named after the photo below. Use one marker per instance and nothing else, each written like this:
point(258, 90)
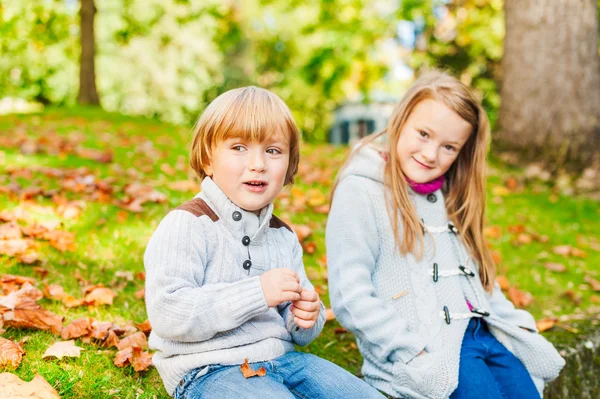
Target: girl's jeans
point(488, 370)
point(293, 375)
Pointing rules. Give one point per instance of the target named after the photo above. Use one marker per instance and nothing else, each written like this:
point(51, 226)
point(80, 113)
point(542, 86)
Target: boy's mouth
point(256, 186)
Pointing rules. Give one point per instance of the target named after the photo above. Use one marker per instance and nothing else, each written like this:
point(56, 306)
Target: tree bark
point(551, 81)
point(88, 94)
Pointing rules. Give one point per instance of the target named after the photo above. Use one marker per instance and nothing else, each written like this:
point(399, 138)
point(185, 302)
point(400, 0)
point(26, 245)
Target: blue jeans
point(293, 375)
point(489, 370)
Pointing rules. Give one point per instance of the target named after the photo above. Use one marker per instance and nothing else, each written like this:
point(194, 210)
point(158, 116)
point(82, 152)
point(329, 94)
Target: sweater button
point(247, 265)
point(246, 240)
point(237, 216)
point(431, 198)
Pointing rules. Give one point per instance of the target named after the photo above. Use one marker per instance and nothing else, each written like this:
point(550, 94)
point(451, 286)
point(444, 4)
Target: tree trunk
point(551, 81)
point(87, 74)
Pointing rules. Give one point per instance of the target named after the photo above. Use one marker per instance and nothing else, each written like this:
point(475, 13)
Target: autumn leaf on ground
point(77, 328)
point(11, 353)
point(136, 339)
point(555, 267)
point(545, 323)
point(595, 284)
point(15, 388)
point(301, 230)
point(54, 291)
point(63, 349)
point(140, 294)
point(100, 296)
point(248, 372)
point(503, 282)
point(14, 300)
point(123, 357)
point(184, 186)
point(493, 232)
point(71, 302)
point(567, 250)
point(329, 315)
point(144, 326)
point(18, 246)
point(9, 231)
point(574, 297)
point(40, 319)
point(103, 156)
point(141, 360)
point(309, 247)
point(519, 298)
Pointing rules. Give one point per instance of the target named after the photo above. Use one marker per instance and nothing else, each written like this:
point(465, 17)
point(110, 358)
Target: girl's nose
point(429, 153)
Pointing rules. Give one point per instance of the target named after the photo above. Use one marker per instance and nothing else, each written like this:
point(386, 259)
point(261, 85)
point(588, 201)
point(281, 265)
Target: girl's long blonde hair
point(465, 180)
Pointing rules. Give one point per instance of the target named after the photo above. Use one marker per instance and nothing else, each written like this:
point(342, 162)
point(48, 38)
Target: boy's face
point(251, 174)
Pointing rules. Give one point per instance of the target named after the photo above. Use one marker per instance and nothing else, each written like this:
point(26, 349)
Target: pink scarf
point(426, 188)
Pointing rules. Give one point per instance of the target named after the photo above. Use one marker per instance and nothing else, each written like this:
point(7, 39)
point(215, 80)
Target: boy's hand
point(306, 309)
point(280, 285)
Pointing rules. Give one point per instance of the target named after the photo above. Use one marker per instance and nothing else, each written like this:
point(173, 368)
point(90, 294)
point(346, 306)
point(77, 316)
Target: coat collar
point(237, 220)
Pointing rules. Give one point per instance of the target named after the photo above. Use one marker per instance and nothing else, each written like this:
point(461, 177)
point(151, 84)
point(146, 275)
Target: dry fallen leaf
point(136, 339)
point(77, 328)
point(54, 291)
point(595, 284)
point(248, 372)
point(545, 323)
point(302, 231)
point(63, 349)
point(144, 326)
point(519, 298)
point(555, 267)
point(39, 318)
point(141, 360)
point(329, 315)
point(15, 388)
point(11, 353)
point(503, 282)
point(123, 357)
point(100, 296)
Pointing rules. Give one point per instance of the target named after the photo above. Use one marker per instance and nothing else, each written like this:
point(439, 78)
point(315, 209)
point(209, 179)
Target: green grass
point(109, 240)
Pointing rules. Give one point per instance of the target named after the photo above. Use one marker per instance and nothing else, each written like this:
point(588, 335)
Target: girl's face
point(430, 141)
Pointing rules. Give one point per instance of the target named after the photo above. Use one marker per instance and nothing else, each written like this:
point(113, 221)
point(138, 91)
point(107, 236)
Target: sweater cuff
point(405, 354)
point(247, 300)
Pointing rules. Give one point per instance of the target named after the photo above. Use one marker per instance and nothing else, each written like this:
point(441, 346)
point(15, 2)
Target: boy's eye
point(238, 148)
point(273, 151)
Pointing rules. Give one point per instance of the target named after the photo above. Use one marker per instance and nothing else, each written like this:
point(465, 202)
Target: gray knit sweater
point(392, 303)
point(203, 293)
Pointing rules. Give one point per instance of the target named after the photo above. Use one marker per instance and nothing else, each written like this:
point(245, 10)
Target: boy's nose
point(256, 161)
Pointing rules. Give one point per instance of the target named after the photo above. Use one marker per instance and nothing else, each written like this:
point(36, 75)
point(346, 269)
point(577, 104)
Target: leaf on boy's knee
point(248, 372)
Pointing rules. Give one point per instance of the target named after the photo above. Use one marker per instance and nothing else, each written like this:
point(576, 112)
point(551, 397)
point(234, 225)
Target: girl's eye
point(423, 134)
point(273, 151)
point(450, 148)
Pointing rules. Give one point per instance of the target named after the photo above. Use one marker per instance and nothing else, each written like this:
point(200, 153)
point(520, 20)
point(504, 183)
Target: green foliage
point(168, 58)
point(467, 40)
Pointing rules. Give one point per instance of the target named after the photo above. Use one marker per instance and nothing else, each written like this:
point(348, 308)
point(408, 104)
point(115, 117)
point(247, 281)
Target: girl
point(409, 271)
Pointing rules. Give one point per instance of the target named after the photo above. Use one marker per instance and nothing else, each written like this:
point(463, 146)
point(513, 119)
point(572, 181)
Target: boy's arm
point(300, 335)
point(352, 240)
point(507, 311)
point(180, 307)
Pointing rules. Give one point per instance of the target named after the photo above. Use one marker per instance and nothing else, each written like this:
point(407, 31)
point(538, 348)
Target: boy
point(224, 276)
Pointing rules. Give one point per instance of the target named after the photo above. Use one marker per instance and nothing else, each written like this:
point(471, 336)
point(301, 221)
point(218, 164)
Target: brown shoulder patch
point(277, 223)
point(198, 207)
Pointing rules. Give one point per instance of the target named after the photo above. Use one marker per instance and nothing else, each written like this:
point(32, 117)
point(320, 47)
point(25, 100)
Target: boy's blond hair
point(250, 113)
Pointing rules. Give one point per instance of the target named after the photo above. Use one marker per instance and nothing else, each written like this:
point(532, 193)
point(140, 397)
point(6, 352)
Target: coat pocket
point(425, 376)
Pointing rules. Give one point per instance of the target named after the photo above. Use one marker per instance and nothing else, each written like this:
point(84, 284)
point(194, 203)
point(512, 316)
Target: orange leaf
point(9, 231)
point(140, 294)
point(494, 232)
point(54, 291)
point(123, 357)
point(329, 315)
point(136, 339)
point(38, 387)
point(545, 323)
point(39, 319)
point(141, 360)
point(503, 282)
point(519, 298)
point(77, 328)
point(302, 231)
point(144, 326)
point(100, 296)
point(555, 267)
point(110, 340)
point(595, 284)
point(309, 247)
point(11, 353)
point(72, 302)
point(248, 372)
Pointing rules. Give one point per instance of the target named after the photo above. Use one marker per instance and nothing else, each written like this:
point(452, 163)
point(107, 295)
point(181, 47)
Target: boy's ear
point(208, 170)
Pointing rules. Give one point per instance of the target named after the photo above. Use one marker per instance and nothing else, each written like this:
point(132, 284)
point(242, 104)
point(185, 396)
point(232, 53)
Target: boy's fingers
point(289, 296)
point(306, 324)
point(307, 306)
point(308, 295)
point(302, 314)
point(292, 286)
point(292, 273)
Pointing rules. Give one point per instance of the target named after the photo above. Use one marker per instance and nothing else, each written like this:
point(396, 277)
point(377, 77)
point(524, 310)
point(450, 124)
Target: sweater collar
point(236, 219)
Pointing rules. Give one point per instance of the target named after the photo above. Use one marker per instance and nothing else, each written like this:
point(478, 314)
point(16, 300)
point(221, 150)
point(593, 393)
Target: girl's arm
point(299, 334)
point(352, 250)
point(507, 311)
point(180, 307)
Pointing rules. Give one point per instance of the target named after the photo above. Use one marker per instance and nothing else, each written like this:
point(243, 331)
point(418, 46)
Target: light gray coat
point(394, 307)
